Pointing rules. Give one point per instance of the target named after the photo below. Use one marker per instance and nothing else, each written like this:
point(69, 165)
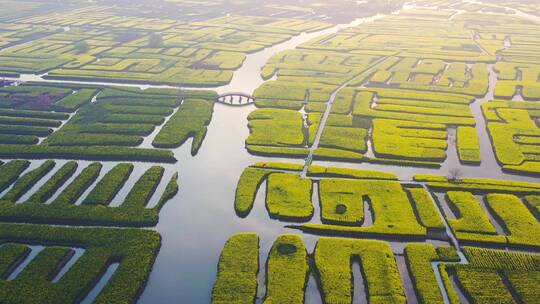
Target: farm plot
point(94, 122)
point(517, 65)
point(391, 104)
point(483, 211)
point(127, 255)
point(288, 268)
point(57, 199)
point(493, 275)
point(13, 34)
point(29, 113)
point(352, 202)
point(488, 275)
point(146, 50)
point(514, 133)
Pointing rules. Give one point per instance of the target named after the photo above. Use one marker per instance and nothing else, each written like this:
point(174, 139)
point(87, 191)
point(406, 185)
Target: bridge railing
point(235, 99)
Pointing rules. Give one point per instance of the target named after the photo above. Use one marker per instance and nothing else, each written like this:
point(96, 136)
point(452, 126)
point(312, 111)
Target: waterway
point(197, 222)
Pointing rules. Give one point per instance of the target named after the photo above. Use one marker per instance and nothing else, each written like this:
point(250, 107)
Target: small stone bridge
point(235, 99)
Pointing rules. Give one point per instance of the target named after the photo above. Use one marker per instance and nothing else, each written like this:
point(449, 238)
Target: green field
point(275, 152)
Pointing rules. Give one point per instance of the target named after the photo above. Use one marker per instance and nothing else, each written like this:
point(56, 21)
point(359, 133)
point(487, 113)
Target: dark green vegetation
point(95, 208)
point(133, 249)
point(191, 120)
point(109, 185)
point(106, 123)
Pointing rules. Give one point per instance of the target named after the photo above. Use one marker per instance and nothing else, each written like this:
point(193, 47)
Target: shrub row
point(134, 249)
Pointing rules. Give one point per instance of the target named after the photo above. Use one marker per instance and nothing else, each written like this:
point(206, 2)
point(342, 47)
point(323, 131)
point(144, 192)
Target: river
point(197, 222)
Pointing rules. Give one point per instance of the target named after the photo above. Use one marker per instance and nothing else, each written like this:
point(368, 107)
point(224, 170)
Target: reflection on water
point(196, 224)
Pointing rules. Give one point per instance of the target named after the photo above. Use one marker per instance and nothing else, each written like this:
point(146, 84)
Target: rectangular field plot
point(493, 275)
point(84, 195)
point(65, 265)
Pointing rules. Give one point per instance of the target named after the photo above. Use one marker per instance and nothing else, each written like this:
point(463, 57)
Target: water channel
point(198, 221)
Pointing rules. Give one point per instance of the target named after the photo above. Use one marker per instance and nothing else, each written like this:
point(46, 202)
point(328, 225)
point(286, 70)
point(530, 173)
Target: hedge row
point(134, 249)
point(93, 210)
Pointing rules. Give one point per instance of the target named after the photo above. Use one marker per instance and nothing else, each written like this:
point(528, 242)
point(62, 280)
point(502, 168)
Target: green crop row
point(116, 129)
point(500, 276)
point(26, 130)
point(419, 258)
point(10, 253)
point(409, 140)
point(76, 100)
point(478, 185)
point(522, 225)
point(26, 121)
point(425, 207)
point(247, 188)
point(468, 145)
point(18, 139)
point(33, 114)
point(133, 249)
point(27, 181)
point(470, 217)
point(144, 188)
point(86, 153)
point(94, 209)
point(107, 188)
point(56, 181)
point(77, 187)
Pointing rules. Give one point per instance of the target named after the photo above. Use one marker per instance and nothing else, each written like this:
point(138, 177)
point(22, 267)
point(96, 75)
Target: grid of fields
point(393, 158)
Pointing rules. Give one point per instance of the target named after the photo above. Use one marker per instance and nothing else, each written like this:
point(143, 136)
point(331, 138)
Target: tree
point(155, 41)
point(454, 175)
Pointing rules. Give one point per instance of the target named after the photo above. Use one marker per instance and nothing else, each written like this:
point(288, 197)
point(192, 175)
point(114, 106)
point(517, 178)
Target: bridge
point(235, 99)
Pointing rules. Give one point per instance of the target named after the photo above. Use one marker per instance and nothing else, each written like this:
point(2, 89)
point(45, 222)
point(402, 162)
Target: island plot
point(417, 89)
point(499, 218)
point(405, 89)
point(453, 87)
point(118, 141)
